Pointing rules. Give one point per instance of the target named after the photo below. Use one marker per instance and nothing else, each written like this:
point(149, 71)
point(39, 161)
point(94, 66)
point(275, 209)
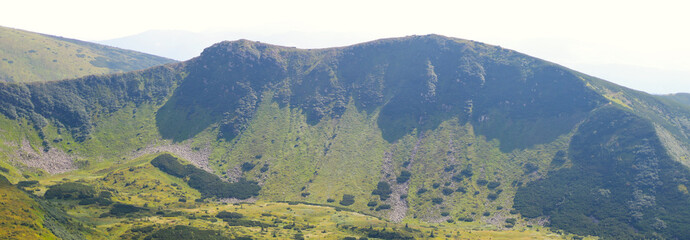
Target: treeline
point(209, 185)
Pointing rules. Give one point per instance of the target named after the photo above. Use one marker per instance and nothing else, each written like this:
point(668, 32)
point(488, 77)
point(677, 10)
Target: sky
point(640, 44)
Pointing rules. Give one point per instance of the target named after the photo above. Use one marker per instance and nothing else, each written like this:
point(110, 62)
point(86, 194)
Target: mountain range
point(447, 137)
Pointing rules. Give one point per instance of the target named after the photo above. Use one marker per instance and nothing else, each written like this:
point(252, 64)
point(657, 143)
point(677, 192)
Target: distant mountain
point(421, 130)
point(683, 98)
point(34, 57)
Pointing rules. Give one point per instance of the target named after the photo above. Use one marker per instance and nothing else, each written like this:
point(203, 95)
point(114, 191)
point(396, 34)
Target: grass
point(31, 57)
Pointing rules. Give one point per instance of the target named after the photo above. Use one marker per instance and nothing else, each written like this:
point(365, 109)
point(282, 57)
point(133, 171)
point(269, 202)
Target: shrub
point(421, 190)
point(447, 191)
point(436, 185)
point(181, 232)
point(229, 215)
point(511, 221)
point(486, 214)
point(461, 190)
point(467, 172)
point(372, 203)
point(208, 184)
point(347, 200)
point(383, 207)
point(247, 166)
point(437, 200)
point(383, 189)
point(70, 190)
point(264, 168)
point(492, 196)
point(493, 185)
point(444, 214)
point(404, 176)
point(330, 200)
point(22, 184)
point(120, 209)
point(457, 178)
point(482, 182)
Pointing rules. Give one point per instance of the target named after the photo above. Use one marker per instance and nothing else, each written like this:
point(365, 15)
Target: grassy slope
point(21, 216)
point(30, 57)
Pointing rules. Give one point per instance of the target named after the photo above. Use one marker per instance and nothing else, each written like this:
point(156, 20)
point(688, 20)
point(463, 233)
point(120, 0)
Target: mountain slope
point(421, 129)
point(33, 57)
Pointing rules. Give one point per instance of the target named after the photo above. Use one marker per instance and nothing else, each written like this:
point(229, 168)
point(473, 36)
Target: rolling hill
point(34, 57)
point(445, 136)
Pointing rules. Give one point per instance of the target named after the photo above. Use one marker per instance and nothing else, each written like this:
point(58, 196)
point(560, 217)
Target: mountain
point(445, 135)
point(683, 98)
point(34, 57)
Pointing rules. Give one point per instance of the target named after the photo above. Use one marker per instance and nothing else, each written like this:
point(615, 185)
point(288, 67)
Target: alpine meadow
point(419, 137)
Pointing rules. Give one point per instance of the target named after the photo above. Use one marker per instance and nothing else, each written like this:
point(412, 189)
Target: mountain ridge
point(420, 129)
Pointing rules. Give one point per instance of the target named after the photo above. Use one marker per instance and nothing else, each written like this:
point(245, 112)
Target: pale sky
point(644, 45)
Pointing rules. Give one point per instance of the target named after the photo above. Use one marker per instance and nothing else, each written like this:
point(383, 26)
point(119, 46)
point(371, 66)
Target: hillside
point(428, 131)
point(34, 57)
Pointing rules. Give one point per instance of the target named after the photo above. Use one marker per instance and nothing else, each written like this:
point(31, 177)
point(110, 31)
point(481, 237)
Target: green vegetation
point(621, 167)
point(33, 57)
point(383, 189)
point(319, 144)
point(209, 185)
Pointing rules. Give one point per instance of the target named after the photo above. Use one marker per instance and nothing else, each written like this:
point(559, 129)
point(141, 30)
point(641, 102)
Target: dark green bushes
point(181, 232)
point(207, 183)
point(229, 215)
point(70, 190)
point(383, 207)
point(120, 209)
point(347, 200)
point(247, 166)
point(403, 177)
point(383, 189)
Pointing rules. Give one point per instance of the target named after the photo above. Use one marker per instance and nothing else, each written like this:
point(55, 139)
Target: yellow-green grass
point(31, 57)
point(20, 216)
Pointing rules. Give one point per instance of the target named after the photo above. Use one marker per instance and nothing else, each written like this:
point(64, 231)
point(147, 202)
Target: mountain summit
point(416, 129)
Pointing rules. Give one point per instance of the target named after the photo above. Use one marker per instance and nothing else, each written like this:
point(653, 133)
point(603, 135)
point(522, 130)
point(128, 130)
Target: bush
point(511, 221)
point(493, 185)
point(22, 184)
point(229, 215)
point(70, 190)
point(209, 185)
point(403, 177)
point(482, 182)
point(264, 168)
point(120, 209)
point(372, 203)
point(492, 196)
point(383, 207)
point(467, 172)
point(181, 232)
point(461, 190)
point(247, 166)
point(435, 185)
point(330, 200)
point(447, 191)
point(383, 189)
point(486, 214)
point(347, 200)
point(444, 214)
point(437, 200)
point(421, 190)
